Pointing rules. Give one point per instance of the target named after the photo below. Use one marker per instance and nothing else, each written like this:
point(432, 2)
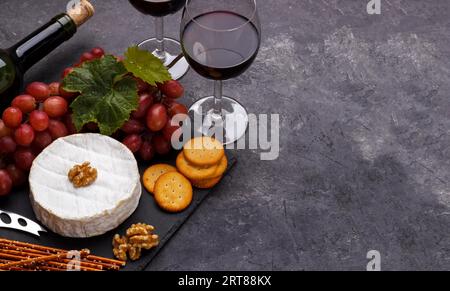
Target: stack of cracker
point(203, 162)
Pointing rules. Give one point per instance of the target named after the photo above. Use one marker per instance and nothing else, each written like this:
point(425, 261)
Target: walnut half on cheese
point(89, 211)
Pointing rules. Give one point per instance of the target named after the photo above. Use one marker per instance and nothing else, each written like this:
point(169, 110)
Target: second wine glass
point(220, 40)
point(165, 48)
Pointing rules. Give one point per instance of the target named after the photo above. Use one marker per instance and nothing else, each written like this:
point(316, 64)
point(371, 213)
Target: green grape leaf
point(146, 66)
point(107, 94)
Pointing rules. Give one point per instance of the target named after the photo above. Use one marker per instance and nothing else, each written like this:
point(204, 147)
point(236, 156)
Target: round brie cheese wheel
point(87, 211)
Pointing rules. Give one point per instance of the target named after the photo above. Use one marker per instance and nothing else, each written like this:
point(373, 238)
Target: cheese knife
point(18, 222)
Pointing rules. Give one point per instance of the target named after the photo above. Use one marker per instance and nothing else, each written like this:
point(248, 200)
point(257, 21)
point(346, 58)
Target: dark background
point(365, 146)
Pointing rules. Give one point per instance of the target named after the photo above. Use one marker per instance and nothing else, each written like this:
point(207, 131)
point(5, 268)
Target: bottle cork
point(80, 11)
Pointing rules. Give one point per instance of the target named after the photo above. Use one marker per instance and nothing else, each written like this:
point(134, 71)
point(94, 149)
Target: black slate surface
point(166, 224)
point(365, 148)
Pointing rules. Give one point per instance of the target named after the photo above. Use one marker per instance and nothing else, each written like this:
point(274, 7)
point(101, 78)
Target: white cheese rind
point(93, 210)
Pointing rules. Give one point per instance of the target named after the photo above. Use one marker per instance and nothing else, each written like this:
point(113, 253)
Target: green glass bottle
point(15, 61)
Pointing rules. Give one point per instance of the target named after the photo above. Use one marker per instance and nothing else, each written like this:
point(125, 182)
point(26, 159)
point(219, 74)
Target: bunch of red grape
point(42, 115)
point(150, 129)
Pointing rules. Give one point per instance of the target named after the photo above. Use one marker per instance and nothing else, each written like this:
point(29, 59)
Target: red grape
point(133, 142)
point(133, 127)
point(24, 159)
point(142, 85)
point(176, 108)
point(4, 130)
point(12, 117)
point(17, 176)
point(168, 102)
point(145, 101)
point(66, 72)
point(69, 96)
point(55, 106)
point(5, 183)
point(92, 127)
point(39, 120)
point(87, 57)
point(7, 145)
point(3, 162)
point(26, 103)
point(24, 135)
point(169, 130)
point(157, 117)
point(172, 89)
point(98, 52)
point(68, 121)
point(54, 88)
point(38, 90)
point(42, 140)
point(161, 145)
point(57, 129)
point(146, 152)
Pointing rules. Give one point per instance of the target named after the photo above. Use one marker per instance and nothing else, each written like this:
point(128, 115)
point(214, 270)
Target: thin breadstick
point(31, 261)
point(87, 261)
point(54, 263)
point(38, 268)
point(56, 250)
point(22, 252)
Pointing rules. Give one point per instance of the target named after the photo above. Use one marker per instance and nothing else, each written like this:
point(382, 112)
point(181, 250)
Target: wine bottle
point(15, 61)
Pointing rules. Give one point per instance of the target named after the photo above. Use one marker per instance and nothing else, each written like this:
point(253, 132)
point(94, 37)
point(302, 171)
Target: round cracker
point(173, 192)
point(203, 151)
point(207, 184)
point(194, 172)
point(152, 174)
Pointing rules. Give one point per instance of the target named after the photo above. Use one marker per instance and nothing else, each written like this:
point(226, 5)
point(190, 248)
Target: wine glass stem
point(218, 98)
point(160, 51)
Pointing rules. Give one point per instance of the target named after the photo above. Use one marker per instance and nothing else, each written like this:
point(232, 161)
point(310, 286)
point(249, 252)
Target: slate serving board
point(166, 224)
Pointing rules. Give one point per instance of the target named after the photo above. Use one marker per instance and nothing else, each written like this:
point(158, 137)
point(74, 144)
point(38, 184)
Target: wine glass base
point(228, 129)
point(173, 50)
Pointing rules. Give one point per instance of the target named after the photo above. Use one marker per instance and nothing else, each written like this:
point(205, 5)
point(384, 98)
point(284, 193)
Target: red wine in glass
point(220, 40)
point(158, 8)
point(220, 52)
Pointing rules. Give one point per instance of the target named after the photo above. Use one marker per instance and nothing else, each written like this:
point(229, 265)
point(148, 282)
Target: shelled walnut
point(82, 175)
point(138, 237)
point(120, 247)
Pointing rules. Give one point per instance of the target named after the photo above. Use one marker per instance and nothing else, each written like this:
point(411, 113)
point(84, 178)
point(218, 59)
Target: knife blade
point(15, 221)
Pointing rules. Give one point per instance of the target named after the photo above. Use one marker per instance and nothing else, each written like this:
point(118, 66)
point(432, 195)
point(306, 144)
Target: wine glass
point(167, 49)
point(220, 40)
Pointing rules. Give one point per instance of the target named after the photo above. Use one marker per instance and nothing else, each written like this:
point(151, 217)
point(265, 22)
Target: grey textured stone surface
point(365, 145)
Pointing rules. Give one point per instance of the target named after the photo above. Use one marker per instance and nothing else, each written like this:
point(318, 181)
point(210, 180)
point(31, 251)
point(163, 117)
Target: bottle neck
point(40, 43)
